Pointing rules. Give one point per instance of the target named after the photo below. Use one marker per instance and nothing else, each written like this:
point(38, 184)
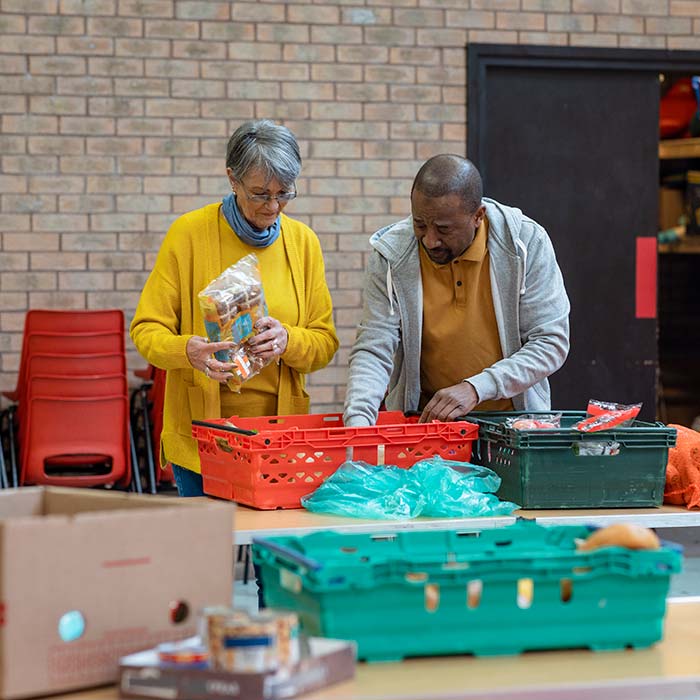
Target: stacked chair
point(146, 426)
point(70, 422)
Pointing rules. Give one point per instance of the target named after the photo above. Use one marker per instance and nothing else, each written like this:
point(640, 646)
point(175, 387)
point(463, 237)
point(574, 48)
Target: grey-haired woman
point(262, 164)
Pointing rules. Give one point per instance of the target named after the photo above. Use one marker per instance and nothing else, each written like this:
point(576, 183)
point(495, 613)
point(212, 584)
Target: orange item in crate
point(272, 461)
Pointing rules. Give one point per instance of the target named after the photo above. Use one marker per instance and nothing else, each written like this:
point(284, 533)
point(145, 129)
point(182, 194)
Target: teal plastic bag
point(433, 487)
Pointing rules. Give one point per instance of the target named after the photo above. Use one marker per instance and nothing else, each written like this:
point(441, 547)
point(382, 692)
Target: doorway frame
point(481, 57)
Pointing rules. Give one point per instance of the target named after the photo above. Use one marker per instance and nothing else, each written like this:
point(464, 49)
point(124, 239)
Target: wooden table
point(249, 523)
point(671, 669)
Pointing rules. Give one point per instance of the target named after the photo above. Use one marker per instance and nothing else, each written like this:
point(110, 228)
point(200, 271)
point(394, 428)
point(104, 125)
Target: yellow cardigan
point(168, 315)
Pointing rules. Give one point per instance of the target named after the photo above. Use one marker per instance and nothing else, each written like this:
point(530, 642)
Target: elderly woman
point(262, 164)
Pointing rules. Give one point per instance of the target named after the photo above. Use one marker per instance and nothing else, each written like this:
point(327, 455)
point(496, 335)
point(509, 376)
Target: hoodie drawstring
point(522, 247)
point(390, 289)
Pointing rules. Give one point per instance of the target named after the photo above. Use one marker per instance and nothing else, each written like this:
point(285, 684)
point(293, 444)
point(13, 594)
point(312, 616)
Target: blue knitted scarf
point(247, 233)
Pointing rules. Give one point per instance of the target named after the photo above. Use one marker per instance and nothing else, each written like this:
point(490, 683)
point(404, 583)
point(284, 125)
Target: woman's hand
point(200, 354)
point(271, 339)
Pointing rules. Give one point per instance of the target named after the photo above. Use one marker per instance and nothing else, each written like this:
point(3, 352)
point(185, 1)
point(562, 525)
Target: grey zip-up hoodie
point(529, 299)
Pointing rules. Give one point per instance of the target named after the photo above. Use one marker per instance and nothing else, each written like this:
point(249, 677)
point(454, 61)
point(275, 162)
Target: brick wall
point(115, 115)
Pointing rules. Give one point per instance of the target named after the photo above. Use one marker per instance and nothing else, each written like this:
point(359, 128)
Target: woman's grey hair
point(263, 145)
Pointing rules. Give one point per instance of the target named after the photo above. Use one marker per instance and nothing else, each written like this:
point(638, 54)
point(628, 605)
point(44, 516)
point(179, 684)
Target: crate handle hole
point(504, 543)
point(383, 538)
point(223, 444)
point(455, 565)
point(468, 534)
point(416, 576)
point(348, 550)
point(566, 589)
point(474, 590)
point(432, 597)
point(526, 593)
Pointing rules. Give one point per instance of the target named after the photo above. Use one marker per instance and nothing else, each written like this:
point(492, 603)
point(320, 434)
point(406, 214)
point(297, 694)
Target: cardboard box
point(330, 661)
point(121, 562)
point(671, 207)
point(693, 202)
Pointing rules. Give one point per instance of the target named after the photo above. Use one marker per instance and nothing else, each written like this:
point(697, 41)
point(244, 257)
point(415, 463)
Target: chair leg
point(13, 448)
point(3, 474)
point(153, 486)
point(135, 481)
point(141, 434)
point(246, 563)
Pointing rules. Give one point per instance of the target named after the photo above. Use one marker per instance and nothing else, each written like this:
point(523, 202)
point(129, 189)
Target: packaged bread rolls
point(231, 304)
point(626, 535)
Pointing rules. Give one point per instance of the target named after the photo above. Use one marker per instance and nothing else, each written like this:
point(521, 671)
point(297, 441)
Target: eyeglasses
point(281, 197)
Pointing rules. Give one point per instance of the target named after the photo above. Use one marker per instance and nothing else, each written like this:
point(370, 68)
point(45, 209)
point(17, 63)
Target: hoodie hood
point(396, 242)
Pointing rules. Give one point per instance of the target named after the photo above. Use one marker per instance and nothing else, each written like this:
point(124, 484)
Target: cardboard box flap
point(27, 501)
point(56, 500)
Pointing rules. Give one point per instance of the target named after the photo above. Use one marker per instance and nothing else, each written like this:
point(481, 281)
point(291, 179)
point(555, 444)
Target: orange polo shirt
point(460, 334)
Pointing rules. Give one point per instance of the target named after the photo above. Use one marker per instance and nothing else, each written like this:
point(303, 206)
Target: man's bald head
point(447, 174)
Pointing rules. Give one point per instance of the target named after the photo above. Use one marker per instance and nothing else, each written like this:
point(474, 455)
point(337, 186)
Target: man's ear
point(480, 214)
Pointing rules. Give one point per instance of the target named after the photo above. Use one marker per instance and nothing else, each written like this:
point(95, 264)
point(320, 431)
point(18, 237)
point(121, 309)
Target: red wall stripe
point(645, 301)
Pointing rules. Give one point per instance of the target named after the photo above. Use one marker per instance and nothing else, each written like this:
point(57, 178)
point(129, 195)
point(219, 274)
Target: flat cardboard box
point(330, 661)
point(671, 207)
point(121, 560)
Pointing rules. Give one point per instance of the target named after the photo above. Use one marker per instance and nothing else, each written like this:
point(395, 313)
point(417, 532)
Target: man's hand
point(450, 403)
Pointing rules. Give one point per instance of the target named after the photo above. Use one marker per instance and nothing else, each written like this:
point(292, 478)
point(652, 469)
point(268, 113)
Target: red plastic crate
point(290, 456)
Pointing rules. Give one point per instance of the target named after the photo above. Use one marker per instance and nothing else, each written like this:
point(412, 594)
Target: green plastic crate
point(421, 593)
point(542, 468)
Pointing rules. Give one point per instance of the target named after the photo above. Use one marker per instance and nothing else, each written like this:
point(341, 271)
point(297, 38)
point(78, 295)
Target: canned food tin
point(248, 646)
point(179, 654)
point(287, 627)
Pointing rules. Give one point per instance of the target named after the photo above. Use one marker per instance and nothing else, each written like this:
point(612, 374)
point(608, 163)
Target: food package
point(528, 421)
point(604, 415)
point(231, 304)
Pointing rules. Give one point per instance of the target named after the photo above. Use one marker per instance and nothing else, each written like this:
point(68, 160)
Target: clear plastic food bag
point(231, 304)
point(534, 421)
point(604, 415)
point(433, 487)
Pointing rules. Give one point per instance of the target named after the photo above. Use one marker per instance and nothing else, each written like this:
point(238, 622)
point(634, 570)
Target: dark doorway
point(571, 136)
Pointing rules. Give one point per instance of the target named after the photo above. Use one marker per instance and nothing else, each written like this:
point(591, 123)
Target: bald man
point(464, 306)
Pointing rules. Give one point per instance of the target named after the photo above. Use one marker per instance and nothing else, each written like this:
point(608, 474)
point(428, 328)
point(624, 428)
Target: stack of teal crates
point(549, 468)
point(501, 591)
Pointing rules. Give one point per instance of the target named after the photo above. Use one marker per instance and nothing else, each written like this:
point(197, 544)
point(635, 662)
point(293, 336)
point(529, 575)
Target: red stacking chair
point(71, 418)
point(147, 425)
point(165, 475)
point(68, 323)
point(77, 365)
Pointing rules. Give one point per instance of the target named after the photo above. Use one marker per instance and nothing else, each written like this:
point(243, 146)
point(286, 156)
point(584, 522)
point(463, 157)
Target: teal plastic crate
point(502, 591)
point(543, 468)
